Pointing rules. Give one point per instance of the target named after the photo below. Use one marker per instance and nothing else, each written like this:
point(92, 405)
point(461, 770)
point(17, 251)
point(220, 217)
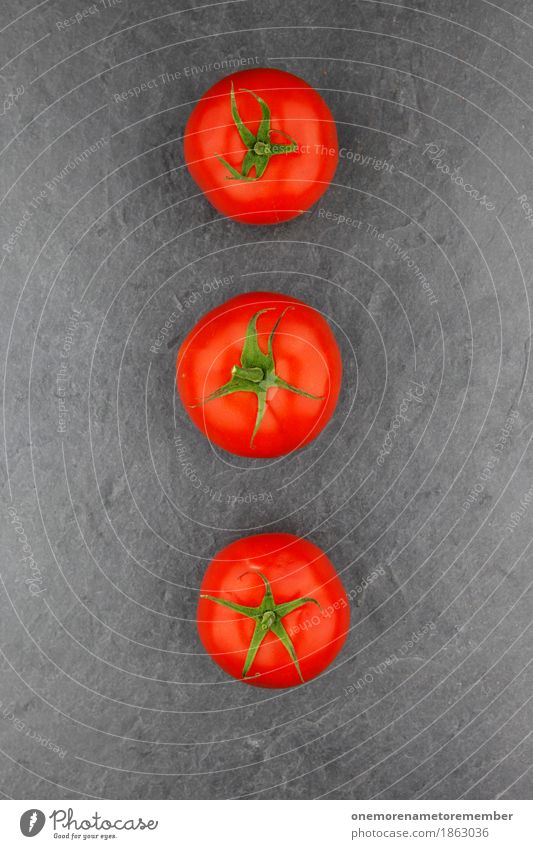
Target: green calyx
point(259, 147)
point(256, 372)
point(267, 617)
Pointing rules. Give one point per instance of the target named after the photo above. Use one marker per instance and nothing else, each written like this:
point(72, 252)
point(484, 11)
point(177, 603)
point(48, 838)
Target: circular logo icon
point(32, 822)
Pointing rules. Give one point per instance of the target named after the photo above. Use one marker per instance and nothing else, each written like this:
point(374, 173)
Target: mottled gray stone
point(104, 659)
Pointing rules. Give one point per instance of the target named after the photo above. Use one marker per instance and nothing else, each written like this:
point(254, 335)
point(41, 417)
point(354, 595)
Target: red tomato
point(262, 145)
point(272, 611)
point(260, 375)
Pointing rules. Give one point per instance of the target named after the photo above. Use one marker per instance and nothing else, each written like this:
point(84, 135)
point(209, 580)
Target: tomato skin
point(292, 182)
point(295, 567)
point(306, 355)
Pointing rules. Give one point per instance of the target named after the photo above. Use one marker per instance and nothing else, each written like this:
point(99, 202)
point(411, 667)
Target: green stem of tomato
point(256, 372)
point(255, 375)
point(267, 617)
point(259, 148)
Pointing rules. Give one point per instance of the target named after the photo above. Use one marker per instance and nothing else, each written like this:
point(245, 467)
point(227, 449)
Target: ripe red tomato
point(262, 145)
point(272, 611)
point(260, 375)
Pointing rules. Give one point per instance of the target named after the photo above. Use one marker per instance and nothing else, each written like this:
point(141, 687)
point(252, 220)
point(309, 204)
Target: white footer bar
point(283, 824)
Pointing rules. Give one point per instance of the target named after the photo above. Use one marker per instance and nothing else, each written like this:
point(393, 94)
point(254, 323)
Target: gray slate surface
point(100, 654)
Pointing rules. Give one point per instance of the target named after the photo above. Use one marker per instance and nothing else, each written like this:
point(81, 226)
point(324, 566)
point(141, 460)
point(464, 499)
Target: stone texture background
point(99, 651)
